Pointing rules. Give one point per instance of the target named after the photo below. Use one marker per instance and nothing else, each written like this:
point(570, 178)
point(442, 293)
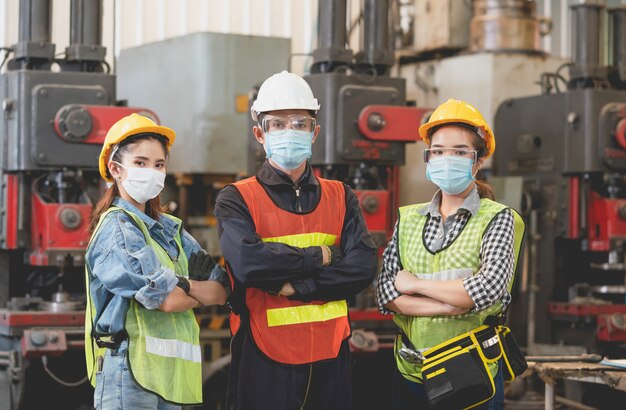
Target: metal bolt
point(41, 156)
point(53, 337)
point(99, 95)
point(7, 105)
point(43, 92)
point(38, 337)
point(348, 93)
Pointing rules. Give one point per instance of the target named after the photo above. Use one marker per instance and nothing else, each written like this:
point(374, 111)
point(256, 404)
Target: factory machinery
point(364, 117)
point(569, 147)
point(55, 115)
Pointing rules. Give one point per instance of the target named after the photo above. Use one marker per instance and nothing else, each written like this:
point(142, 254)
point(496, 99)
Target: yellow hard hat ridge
point(127, 127)
point(459, 111)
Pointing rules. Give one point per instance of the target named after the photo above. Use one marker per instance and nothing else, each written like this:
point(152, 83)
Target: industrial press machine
point(569, 147)
point(55, 115)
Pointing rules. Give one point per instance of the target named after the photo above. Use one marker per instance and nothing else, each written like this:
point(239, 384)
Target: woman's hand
point(208, 292)
point(404, 282)
point(449, 310)
point(423, 306)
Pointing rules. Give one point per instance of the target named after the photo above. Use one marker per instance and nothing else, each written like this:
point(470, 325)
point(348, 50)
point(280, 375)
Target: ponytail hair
point(484, 189)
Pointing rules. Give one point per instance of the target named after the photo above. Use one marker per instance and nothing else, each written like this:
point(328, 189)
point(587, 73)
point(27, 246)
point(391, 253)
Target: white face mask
point(143, 184)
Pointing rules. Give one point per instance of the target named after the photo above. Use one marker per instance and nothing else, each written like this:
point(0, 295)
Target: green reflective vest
point(458, 260)
point(163, 348)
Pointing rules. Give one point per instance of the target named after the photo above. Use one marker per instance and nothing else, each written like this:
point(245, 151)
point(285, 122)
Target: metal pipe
point(332, 24)
point(35, 21)
point(618, 40)
point(86, 35)
point(86, 22)
point(586, 34)
point(331, 48)
point(375, 30)
point(549, 395)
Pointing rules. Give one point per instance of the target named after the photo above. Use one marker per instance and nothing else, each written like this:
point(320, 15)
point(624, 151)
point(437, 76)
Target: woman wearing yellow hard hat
point(144, 275)
point(448, 267)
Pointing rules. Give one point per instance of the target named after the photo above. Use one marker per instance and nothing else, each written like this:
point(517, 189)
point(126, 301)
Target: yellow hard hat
point(127, 127)
point(460, 112)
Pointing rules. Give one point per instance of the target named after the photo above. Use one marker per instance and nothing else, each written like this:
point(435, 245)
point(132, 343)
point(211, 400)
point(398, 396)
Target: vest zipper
point(298, 204)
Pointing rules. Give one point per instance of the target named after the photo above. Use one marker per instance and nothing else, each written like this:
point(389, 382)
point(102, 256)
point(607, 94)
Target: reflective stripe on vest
point(460, 259)
point(306, 313)
point(163, 348)
point(291, 331)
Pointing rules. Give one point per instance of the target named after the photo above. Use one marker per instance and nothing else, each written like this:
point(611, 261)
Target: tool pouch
point(513, 358)
point(456, 373)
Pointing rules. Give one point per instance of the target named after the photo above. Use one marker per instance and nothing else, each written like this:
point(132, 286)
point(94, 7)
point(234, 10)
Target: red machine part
point(611, 327)
point(12, 190)
point(604, 221)
point(580, 310)
point(57, 227)
point(88, 124)
point(43, 342)
point(375, 205)
point(610, 319)
point(391, 123)
point(357, 315)
point(27, 319)
point(620, 133)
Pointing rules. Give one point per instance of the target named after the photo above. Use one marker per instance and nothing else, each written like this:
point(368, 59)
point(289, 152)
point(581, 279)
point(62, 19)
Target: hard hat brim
point(424, 128)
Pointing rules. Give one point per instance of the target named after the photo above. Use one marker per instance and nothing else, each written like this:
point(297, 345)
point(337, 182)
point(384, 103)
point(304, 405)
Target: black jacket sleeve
point(254, 263)
point(354, 272)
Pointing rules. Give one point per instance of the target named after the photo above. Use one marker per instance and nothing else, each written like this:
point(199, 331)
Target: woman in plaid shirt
point(450, 262)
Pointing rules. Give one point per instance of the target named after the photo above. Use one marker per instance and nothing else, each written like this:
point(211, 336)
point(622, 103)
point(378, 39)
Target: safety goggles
point(282, 122)
point(432, 153)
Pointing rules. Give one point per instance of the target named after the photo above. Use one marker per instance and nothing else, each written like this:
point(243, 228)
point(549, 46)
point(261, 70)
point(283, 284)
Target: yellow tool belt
point(456, 374)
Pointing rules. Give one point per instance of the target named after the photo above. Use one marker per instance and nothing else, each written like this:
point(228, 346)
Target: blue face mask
point(288, 148)
point(452, 174)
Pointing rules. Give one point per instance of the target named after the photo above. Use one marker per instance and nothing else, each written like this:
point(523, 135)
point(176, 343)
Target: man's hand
point(200, 266)
point(287, 290)
point(404, 282)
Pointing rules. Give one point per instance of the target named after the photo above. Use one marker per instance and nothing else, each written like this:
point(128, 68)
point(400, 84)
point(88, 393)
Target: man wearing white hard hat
point(296, 247)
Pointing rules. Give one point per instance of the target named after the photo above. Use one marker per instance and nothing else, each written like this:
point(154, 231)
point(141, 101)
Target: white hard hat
point(284, 91)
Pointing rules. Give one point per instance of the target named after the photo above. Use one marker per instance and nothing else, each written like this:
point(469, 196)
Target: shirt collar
point(272, 176)
point(470, 204)
point(169, 226)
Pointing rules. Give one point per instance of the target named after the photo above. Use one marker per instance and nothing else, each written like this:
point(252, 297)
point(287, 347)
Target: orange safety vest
point(291, 331)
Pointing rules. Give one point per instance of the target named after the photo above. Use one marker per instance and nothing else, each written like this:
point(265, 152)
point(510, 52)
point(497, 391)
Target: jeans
point(116, 389)
point(410, 394)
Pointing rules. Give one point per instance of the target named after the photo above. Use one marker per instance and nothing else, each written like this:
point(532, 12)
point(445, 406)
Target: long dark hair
point(153, 206)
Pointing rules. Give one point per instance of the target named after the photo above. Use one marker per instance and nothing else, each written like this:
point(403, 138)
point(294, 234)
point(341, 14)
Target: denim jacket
point(123, 266)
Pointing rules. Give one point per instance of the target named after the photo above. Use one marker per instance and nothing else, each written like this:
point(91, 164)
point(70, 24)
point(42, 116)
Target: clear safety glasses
point(295, 122)
point(432, 153)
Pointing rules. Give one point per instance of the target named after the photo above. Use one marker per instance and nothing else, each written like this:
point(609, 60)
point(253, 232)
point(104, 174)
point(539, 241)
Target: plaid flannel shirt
point(496, 255)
